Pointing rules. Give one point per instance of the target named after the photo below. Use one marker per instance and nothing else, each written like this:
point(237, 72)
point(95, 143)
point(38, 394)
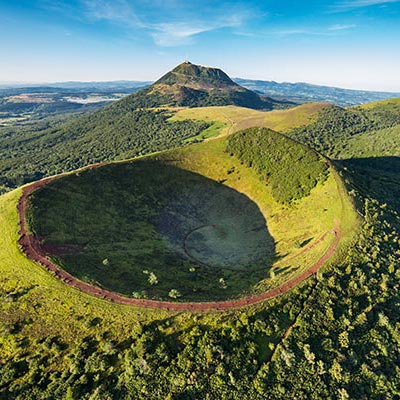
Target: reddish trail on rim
point(32, 249)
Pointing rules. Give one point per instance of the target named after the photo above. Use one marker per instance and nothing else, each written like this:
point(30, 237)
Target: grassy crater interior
point(192, 223)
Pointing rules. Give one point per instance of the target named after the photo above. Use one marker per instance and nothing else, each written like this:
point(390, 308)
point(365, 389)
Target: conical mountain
point(190, 85)
point(197, 77)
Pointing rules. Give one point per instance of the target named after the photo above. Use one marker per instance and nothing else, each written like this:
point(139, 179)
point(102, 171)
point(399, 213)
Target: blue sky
point(347, 43)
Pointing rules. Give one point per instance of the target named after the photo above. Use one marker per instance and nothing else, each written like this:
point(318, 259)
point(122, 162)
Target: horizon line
point(16, 84)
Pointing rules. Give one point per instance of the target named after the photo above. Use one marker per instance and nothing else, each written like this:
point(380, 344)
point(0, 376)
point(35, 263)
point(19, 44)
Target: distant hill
point(187, 85)
point(195, 77)
point(190, 85)
point(73, 87)
point(305, 92)
point(22, 102)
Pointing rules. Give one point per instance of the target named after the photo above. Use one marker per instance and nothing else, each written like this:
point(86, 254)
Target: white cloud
point(323, 31)
point(289, 32)
point(59, 6)
point(180, 33)
point(114, 11)
point(174, 34)
point(341, 27)
point(167, 30)
point(354, 4)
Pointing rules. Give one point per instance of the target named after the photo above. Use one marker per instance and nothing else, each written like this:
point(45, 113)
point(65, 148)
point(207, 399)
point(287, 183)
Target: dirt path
point(31, 247)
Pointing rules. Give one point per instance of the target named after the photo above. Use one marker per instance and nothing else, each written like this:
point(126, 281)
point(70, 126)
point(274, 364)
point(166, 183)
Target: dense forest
point(115, 132)
point(335, 125)
point(273, 156)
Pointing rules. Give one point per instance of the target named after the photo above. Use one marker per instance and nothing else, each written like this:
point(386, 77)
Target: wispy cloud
point(290, 32)
point(341, 27)
point(60, 6)
point(113, 11)
point(323, 31)
point(354, 4)
point(180, 29)
point(181, 33)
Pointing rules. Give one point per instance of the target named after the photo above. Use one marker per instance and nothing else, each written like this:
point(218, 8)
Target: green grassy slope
point(238, 118)
point(57, 342)
point(391, 104)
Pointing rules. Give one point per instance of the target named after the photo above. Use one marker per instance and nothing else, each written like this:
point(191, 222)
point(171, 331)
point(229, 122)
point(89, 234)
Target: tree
point(173, 293)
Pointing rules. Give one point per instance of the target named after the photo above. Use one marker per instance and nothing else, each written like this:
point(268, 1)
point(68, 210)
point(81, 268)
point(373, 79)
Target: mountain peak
point(191, 85)
point(196, 76)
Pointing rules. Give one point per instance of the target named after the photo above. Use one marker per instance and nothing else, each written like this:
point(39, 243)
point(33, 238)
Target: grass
point(32, 291)
point(171, 221)
point(237, 118)
point(212, 131)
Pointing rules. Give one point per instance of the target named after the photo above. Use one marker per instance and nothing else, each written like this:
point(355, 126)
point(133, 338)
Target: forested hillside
point(109, 134)
point(335, 125)
point(351, 323)
point(273, 156)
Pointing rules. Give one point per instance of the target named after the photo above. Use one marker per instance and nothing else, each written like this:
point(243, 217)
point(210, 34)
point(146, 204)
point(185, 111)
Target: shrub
point(174, 294)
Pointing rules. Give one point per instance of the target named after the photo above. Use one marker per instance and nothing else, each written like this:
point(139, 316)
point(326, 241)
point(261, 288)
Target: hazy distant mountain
point(193, 85)
point(187, 85)
point(305, 92)
point(76, 87)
